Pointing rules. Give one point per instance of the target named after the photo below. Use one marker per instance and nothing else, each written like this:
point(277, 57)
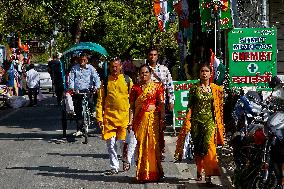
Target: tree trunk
point(78, 30)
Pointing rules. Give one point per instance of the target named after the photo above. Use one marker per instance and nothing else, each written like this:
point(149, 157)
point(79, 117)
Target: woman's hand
point(129, 127)
point(171, 107)
point(100, 124)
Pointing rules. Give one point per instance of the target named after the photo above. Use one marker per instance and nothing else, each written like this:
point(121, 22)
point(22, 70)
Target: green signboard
point(252, 57)
point(181, 90)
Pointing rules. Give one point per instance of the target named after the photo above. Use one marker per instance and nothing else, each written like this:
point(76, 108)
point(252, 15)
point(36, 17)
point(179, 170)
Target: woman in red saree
point(147, 104)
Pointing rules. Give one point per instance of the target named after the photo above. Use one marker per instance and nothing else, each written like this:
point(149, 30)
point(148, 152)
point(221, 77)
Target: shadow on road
point(88, 175)
point(27, 136)
point(99, 156)
point(32, 123)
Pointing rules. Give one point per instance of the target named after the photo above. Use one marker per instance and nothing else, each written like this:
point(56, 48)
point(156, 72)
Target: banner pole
point(215, 35)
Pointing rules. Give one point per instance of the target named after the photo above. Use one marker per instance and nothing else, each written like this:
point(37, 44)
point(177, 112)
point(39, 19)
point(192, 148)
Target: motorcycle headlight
point(259, 137)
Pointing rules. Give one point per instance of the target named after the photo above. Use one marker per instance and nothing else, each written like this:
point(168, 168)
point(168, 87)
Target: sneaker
point(71, 113)
point(78, 133)
point(94, 115)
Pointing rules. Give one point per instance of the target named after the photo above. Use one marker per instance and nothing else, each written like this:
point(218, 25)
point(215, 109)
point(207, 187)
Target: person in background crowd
point(2, 74)
point(96, 63)
point(129, 68)
point(10, 77)
point(162, 74)
point(54, 69)
point(112, 111)
point(73, 62)
point(24, 69)
point(147, 105)
point(204, 119)
point(33, 84)
point(191, 68)
point(83, 78)
point(169, 61)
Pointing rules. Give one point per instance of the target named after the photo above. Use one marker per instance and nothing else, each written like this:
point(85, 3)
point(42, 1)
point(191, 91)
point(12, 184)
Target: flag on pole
point(207, 10)
point(212, 60)
point(218, 69)
point(182, 9)
point(163, 10)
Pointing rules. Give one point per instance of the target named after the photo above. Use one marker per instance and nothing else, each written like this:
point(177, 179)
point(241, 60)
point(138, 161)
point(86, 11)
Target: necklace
point(205, 89)
point(144, 86)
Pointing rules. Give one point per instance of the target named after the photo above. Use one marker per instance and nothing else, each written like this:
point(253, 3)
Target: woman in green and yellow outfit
point(204, 120)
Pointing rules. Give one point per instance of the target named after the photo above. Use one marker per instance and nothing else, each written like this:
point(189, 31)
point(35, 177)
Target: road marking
point(9, 114)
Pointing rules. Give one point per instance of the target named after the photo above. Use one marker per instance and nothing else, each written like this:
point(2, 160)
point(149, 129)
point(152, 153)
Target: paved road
point(31, 159)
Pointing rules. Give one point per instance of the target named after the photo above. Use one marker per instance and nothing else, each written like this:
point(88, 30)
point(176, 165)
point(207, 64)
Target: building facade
point(276, 18)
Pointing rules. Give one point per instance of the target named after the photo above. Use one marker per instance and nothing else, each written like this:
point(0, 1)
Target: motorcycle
point(258, 145)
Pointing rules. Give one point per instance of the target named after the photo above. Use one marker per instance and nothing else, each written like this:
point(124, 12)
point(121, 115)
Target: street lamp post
point(217, 32)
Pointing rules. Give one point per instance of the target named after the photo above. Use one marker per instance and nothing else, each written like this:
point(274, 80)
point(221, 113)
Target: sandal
point(111, 172)
point(126, 166)
point(199, 177)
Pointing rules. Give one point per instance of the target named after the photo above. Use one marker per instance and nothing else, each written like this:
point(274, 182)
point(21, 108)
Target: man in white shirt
point(33, 84)
point(162, 74)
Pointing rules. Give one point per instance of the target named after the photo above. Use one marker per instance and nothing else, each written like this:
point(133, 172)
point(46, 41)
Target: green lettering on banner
point(181, 91)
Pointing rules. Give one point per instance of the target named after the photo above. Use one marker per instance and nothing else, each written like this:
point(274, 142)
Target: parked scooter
point(273, 157)
point(258, 145)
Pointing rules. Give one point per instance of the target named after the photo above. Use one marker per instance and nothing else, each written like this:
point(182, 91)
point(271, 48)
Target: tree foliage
point(122, 26)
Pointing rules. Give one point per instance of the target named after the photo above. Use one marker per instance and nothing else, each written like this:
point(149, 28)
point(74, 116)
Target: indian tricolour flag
point(163, 10)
